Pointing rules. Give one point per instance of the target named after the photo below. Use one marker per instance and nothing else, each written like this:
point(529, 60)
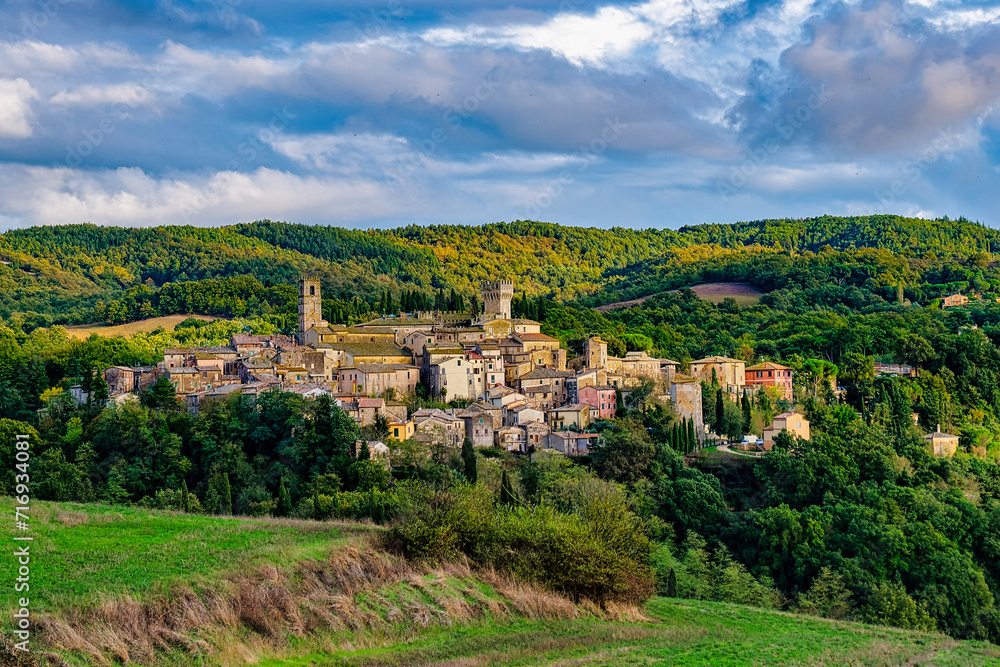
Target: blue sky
point(371, 114)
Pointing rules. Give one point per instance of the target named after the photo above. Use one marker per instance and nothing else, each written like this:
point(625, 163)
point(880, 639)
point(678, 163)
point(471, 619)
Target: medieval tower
point(496, 299)
point(310, 305)
point(596, 352)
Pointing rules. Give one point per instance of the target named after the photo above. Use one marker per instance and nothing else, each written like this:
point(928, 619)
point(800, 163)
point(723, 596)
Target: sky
point(656, 113)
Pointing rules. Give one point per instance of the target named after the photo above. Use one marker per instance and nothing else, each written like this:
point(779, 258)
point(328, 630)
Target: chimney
point(938, 428)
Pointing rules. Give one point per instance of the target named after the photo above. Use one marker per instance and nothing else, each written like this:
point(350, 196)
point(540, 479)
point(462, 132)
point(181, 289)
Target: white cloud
point(130, 94)
point(16, 115)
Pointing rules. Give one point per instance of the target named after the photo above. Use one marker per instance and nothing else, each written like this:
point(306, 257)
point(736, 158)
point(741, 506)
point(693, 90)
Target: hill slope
point(63, 271)
point(167, 588)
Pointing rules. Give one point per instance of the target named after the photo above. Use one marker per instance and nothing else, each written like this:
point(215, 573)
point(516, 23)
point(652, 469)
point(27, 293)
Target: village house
point(729, 373)
point(401, 430)
point(575, 417)
point(551, 379)
point(433, 425)
point(795, 423)
point(942, 444)
point(512, 438)
point(954, 300)
point(770, 374)
point(572, 443)
point(479, 426)
point(522, 414)
point(603, 400)
point(374, 379)
point(537, 434)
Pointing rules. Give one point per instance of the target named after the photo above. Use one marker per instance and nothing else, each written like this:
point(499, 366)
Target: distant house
point(795, 423)
point(604, 399)
point(575, 416)
point(770, 374)
point(954, 300)
point(943, 444)
point(901, 370)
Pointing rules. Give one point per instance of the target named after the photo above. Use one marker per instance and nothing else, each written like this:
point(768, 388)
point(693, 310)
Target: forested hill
point(72, 273)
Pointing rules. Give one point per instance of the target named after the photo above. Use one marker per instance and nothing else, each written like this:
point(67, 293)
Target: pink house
point(603, 399)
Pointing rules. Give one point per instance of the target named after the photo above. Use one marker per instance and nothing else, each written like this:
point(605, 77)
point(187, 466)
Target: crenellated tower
point(496, 298)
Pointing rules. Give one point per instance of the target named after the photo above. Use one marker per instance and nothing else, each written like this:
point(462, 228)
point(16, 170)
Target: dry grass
point(168, 322)
point(374, 594)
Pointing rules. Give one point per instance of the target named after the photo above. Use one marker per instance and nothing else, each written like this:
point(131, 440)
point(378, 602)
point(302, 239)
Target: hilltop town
point(517, 387)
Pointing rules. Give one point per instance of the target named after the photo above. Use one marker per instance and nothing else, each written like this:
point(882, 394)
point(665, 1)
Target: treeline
point(59, 273)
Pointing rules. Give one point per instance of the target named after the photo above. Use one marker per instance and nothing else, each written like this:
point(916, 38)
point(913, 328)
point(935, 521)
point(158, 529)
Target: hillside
point(167, 588)
point(63, 272)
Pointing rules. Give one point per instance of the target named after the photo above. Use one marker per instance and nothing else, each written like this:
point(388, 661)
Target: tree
point(732, 422)
point(625, 454)
point(720, 412)
point(747, 408)
point(469, 458)
point(284, 507)
point(672, 583)
point(226, 494)
point(508, 496)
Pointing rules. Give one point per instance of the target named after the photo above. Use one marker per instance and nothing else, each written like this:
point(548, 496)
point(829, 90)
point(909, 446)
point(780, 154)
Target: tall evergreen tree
point(284, 507)
point(747, 413)
point(720, 411)
point(469, 458)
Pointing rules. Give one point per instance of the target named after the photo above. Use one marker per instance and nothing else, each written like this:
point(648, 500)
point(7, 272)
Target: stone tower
point(496, 299)
point(310, 305)
point(595, 351)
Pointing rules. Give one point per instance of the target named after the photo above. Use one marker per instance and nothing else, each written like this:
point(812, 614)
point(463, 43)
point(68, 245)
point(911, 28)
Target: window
point(312, 290)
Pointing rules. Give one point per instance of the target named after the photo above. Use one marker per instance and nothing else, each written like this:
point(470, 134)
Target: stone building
point(310, 305)
point(685, 399)
point(943, 444)
point(770, 374)
point(497, 295)
point(729, 373)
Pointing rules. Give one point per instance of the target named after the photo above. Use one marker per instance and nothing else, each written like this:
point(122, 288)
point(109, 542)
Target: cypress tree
point(284, 500)
point(692, 440)
point(508, 496)
point(226, 492)
point(672, 584)
point(185, 504)
point(747, 413)
point(469, 458)
point(719, 411)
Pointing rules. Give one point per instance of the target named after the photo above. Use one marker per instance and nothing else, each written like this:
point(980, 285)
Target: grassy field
point(83, 552)
point(168, 322)
point(744, 293)
point(112, 585)
point(678, 632)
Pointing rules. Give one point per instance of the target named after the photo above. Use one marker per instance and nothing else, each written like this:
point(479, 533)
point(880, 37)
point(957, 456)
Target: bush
point(600, 552)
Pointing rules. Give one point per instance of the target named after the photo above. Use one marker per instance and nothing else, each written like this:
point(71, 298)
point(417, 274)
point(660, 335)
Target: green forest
point(860, 522)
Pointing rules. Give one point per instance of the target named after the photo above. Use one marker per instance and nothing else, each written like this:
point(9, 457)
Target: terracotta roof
point(769, 366)
point(718, 360)
point(370, 403)
point(546, 373)
point(537, 337)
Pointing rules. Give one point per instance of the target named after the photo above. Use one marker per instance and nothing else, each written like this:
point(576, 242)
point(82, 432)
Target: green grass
point(680, 632)
point(81, 552)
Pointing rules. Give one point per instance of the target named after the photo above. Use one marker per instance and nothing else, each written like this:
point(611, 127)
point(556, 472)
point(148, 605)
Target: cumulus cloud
point(16, 115)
